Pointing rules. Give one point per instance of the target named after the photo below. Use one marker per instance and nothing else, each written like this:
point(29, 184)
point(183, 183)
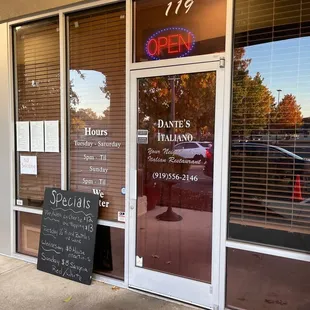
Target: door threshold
point(166, 298)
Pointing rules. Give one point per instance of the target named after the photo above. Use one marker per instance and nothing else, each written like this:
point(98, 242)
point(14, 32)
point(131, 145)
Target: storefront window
point(110, 252)
point(37, 110)
point(258, 281)
point(96, 123)
point(170, 29)
point(270, 133)
point(28, 229)
point(97, 106)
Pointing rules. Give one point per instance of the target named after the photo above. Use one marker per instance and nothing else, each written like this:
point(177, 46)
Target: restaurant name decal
point(170, 42)
point(177, 124)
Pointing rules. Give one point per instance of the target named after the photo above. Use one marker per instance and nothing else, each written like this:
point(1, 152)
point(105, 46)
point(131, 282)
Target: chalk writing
point(68, 234)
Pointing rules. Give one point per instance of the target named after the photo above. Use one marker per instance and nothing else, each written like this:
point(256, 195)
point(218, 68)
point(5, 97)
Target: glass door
point(175, 205)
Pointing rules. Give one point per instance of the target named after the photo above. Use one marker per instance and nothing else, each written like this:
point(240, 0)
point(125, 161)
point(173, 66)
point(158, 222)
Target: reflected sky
point(88, 90)
point(284, 65)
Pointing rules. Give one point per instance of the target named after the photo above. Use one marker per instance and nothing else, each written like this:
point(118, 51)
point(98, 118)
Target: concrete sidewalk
point(22, 286)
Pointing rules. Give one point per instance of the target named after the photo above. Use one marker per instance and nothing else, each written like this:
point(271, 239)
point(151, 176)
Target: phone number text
point(174, 176)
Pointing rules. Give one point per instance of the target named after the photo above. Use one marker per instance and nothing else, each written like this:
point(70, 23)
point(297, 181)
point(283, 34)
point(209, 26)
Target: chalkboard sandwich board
point(68, 234)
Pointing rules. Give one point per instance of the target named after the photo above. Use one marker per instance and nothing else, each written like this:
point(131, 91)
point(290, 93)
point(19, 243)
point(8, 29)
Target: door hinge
point(222, 62)
point(216, 307)
point(211, 289)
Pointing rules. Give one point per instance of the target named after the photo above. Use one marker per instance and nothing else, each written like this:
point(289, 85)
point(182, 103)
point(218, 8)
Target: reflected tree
point(194, 101)
point(253, 103)
point(197, 101)
point(254, 108)
point(288, 114)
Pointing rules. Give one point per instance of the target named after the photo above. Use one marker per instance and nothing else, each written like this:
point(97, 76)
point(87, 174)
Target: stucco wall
point(16, 8)
point(6, 136)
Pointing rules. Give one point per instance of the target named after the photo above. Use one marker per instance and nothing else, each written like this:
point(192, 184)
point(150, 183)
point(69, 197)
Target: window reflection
point(270, 166)
point(89, 95)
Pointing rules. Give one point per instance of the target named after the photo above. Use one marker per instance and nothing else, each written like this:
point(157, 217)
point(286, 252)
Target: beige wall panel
point(5, 152)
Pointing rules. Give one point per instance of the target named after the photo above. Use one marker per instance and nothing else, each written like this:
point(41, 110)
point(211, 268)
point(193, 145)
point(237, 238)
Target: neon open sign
point(170, 42)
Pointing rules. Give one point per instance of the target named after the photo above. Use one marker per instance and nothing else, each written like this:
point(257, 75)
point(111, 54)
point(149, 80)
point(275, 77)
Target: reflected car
point(255, 158)
point(208, 165)
point(261, 170)
point(275, 156)
point(192, 150)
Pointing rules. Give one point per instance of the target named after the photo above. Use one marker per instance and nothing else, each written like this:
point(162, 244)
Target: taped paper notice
point(52, 136)
point(37, 136)
point(28, 165)
point(22, 133)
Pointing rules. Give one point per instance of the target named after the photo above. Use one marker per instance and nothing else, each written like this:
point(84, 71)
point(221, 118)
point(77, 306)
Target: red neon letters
point(171, 42)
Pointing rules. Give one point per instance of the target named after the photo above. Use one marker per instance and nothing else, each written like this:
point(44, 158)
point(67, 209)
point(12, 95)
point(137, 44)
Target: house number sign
point(187, 5)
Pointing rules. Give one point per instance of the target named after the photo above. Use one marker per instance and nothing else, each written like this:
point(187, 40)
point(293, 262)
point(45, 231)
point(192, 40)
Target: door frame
point(207, 295)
